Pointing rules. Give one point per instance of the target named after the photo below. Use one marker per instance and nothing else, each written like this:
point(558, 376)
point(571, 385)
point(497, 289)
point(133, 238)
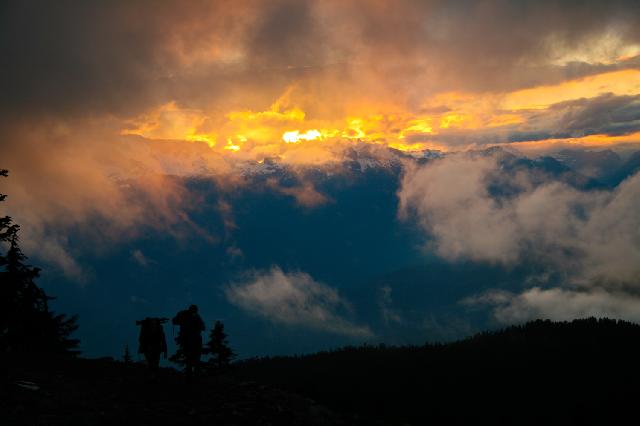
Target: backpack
point(152, 338)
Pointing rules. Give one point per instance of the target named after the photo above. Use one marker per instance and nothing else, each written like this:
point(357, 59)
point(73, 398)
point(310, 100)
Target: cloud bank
point(103, 105)
point(591, 238)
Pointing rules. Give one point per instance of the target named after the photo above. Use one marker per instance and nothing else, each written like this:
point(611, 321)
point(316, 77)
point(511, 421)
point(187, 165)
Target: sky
point(110, 111)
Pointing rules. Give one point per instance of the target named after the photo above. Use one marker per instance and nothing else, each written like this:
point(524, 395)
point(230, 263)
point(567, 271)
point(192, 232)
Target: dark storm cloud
point(606, 114)
point(603, 115)
point(286, 34)
point(485, 45)
point(122, 56)
point(60, 56)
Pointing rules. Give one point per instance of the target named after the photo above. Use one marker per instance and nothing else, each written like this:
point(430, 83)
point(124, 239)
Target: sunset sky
point(110, 111)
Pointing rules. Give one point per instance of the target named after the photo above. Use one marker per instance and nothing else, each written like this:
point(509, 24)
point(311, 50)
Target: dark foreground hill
point(103, 392)
point(542, 373)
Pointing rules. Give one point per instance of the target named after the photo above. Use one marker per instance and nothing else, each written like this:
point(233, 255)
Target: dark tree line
point(540, 373)
point(27, 325)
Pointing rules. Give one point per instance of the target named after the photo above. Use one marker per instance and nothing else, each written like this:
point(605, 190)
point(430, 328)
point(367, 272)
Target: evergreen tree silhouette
point(27, 325)
point(218, 346)
point(126, 358)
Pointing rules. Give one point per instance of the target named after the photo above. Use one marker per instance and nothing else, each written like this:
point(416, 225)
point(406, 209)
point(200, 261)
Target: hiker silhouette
point(152, 341)
point(189, 338)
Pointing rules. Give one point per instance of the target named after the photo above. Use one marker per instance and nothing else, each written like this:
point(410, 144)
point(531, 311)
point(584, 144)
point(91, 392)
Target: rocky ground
point(103, 392)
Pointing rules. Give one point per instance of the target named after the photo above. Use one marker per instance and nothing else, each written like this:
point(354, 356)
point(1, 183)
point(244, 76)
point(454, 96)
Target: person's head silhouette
point(193, 309)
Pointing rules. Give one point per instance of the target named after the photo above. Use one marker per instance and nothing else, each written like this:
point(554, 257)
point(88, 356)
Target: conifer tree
point(26, 323)
point(218, 346)
point(126, 358)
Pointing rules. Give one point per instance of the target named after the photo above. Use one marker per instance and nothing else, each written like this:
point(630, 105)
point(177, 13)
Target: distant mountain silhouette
point(628, 168)
point(597, 164)
point(605, 166)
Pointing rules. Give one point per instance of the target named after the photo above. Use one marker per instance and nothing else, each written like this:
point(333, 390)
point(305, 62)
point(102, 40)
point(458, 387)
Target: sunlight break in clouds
point(295, 299)
point(101, 102)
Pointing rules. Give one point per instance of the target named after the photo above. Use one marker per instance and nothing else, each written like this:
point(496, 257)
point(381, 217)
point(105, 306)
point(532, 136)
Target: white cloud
point(558, 305)
point(296, 299)
point(452, 203)
point(592, 236)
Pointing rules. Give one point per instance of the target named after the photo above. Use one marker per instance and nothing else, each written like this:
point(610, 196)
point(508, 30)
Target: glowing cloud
point(625, 82)
point(208, 87)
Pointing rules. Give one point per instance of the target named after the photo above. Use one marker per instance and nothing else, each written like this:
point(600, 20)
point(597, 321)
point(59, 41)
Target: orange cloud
point(591, 141)
point(205, 88)
point(625, 82)
point(284, 130)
